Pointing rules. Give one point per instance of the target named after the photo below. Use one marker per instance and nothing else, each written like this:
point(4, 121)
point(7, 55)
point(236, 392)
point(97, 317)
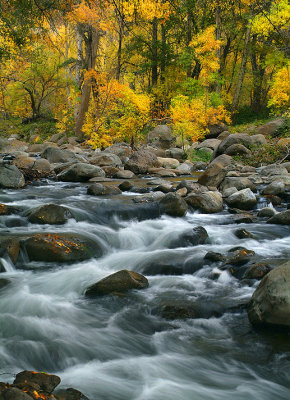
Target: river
point(123, 348)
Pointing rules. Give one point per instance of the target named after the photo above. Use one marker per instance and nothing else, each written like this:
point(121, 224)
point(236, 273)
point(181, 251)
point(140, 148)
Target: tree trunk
point(218, 37)
point(163, 53)
point(258, 77)
point(91, 39)
point(188, 36)
point(242, 72)
point(119, 52)
point(154, 52)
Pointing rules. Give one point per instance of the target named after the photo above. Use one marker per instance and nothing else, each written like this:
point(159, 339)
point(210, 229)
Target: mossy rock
point(52, 247)
point(50, 214)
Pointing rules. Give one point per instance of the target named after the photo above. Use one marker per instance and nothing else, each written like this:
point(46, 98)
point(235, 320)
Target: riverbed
point(130, 348)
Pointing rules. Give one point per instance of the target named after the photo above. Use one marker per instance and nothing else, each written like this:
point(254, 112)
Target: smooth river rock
point(270, 303)
point(50, 214)
point(11, 177)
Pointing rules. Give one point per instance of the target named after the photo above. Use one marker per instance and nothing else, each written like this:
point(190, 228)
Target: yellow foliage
point(205, 46)
point(280, 91)
point(146, 9)
point(94, 14)
point(276, 18)
point(190, 118)
point(117, 114)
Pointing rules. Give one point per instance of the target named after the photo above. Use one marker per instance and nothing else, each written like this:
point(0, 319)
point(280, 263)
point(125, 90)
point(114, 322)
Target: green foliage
point(266, 154)
point(43, 129)
point(199, 155)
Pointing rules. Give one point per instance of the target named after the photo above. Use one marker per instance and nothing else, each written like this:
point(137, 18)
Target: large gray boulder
point(209, 143)
point(237, 149)
point(80, 172)
point(274, 188)
point(119, 282)
point(161, 136)
point(106, 159)
point(168, 163)
point(140, 162)
point(122, 150)
point(271, 128)
point(243, 199)
point(208, 202)
point(239, 183)
point(270, 303)
point(216, 171)
point(56, 155)
point(235, 138)
point(282, 218)
point(11, 177)
point(176, 153)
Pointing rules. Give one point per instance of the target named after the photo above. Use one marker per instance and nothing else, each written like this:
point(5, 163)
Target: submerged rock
point(50, 214)
point(61, 247)
point(69, 394)
point(270, 303)
point(195, 237)
point(119, 282)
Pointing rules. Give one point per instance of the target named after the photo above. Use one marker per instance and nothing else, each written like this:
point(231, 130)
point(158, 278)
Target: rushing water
point(114, 348)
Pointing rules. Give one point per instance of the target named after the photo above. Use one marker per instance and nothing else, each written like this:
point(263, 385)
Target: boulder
point(214, 257)
point(176, 153)
point(170, 163)
point(140, 161)
point(162, 172)
point(69, 394)
point(239, 183)
point(275, 188)
point(119, 282)
point(185, 168)
point(125, 186)
point(80, 172)
point(8, 210)
point(273, 170)
point(267, 212)
point(110, 171)
point(173, 205)
point(282, 218)
point(13, 146)
point(13, 393)
point(243, 234)
point(97, 189)
point(124, 174)
point(46, 383)
point(50, 214)
point(122, 150)
point(148, 197)
point(106, 159)
point(216, 171)
point(257, 271)
point(243, 199)
point(271, 128)
point(56, 155)
point(195, 237)
point(161, 136)
point(208, 202)
point(215, 130)
point(209, 143)
point(229, 191)
point(50, 247)
point(240, 256)
point(11, 247)
point(235, 138)
point(270, 303)
point(237, 149)
point(11, 177)
point(284, 142)
point(258, 140)
point(164, 188)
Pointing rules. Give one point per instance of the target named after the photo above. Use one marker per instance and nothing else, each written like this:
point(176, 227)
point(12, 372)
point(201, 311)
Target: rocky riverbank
point(120, 185)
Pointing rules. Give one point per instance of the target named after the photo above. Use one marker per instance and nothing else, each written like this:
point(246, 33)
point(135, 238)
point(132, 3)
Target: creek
point(123, 348)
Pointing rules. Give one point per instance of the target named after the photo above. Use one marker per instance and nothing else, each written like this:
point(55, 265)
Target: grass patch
point(199, 155)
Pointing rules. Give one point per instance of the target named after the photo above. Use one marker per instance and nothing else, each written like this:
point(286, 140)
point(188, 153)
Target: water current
point(123, 348)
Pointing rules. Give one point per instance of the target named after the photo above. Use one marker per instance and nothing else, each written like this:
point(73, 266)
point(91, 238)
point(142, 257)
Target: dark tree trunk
point(258, 71)
point(154, 52)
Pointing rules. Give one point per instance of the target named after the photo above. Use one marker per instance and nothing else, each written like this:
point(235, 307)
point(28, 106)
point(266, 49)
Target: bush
point(199, 155)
